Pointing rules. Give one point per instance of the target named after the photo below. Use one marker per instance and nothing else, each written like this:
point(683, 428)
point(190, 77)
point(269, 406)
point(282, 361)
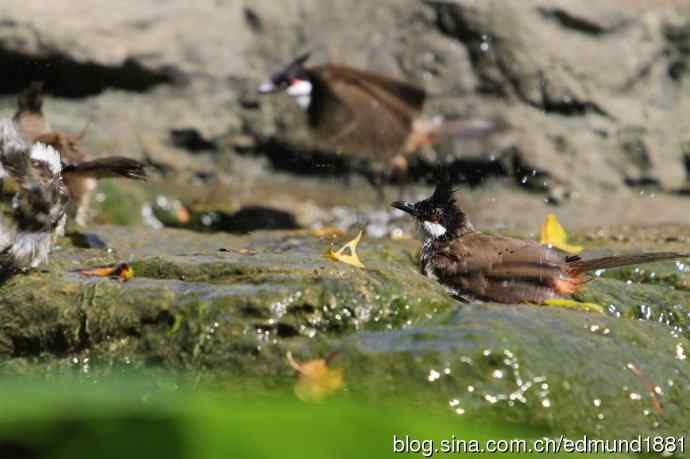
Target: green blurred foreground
point(137, 418)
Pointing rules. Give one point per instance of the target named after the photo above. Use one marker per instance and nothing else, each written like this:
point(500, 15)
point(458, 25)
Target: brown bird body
point(364, 114)
point(29, 118)
point(367, 115)
point(80, 175)
point(501, 269)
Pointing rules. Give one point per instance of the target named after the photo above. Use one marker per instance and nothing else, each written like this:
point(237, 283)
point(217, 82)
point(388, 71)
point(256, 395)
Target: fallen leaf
point(327, 231)
point(243, 251)
point(315, 380)
point(123, 272)
point(651, 388)
point(183, 215)
point(572, 304)
point(352, 258)
point(553, 235)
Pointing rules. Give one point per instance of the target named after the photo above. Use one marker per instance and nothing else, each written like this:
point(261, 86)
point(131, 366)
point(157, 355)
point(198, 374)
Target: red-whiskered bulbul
point(501, 269)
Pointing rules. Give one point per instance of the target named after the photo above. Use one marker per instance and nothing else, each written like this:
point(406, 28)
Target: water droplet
point(433, 375)
point(680, 352)
point(596, 402)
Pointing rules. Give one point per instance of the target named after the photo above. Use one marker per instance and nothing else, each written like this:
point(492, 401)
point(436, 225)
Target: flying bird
point(366, 115)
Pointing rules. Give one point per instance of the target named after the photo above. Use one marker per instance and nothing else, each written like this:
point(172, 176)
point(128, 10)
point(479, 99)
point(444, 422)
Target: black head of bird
point(439, 216)
point(293, 79)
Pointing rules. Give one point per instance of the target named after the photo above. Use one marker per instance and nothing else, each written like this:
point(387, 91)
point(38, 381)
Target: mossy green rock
point(219, 306)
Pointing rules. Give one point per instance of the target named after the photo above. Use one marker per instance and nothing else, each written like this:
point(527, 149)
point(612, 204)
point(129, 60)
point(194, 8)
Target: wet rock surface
point(234, 305)
point(597, 99)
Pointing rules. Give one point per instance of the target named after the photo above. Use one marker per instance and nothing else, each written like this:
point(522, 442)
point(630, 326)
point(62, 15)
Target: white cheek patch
point(47, 154)
point(434, 230)
point(303, 101)
point(299, 88)
point(301, 91)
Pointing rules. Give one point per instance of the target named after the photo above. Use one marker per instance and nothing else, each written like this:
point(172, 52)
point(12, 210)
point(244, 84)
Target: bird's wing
point(501, 269)
point(500, 258)
point(111, 166)
point(365, 114)
point(407, 99)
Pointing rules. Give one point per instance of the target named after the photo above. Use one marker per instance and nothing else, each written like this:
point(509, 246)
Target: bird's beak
point(267, 87)
point(405, 206)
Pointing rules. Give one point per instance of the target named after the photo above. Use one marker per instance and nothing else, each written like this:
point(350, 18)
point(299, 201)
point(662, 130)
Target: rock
point(561, 75)
point(239, 310)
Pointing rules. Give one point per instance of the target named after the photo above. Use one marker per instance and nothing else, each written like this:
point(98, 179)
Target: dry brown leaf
point(122, 271)
point(315, 380)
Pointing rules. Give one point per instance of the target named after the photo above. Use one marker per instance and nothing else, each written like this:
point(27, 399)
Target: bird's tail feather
point(469, 128)
point(576, 265)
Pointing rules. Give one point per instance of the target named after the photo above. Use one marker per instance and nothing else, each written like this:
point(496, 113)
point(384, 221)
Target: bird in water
point(366, 115)
point(33, 126)
point(472, 265)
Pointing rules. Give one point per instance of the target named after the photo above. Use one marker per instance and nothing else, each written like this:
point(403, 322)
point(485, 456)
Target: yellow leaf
point(126, 272)
point(327, 232)
point(553, 235)
point(315, 380)
point(572, 304)
point(352, 258)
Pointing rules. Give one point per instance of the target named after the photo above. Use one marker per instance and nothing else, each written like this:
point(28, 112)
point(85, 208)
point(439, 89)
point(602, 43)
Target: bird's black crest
point(296, 67)
point(443, 193)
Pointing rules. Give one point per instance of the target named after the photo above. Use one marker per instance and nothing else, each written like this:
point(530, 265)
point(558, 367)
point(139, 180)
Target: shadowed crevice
point(65, 77)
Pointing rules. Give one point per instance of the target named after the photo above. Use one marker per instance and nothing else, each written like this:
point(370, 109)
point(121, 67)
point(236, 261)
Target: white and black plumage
point(40, 206)
point(38, 213)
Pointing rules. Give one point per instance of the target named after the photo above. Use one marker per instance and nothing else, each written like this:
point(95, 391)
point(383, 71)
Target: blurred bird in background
point(367, 115)
point(79, 174)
